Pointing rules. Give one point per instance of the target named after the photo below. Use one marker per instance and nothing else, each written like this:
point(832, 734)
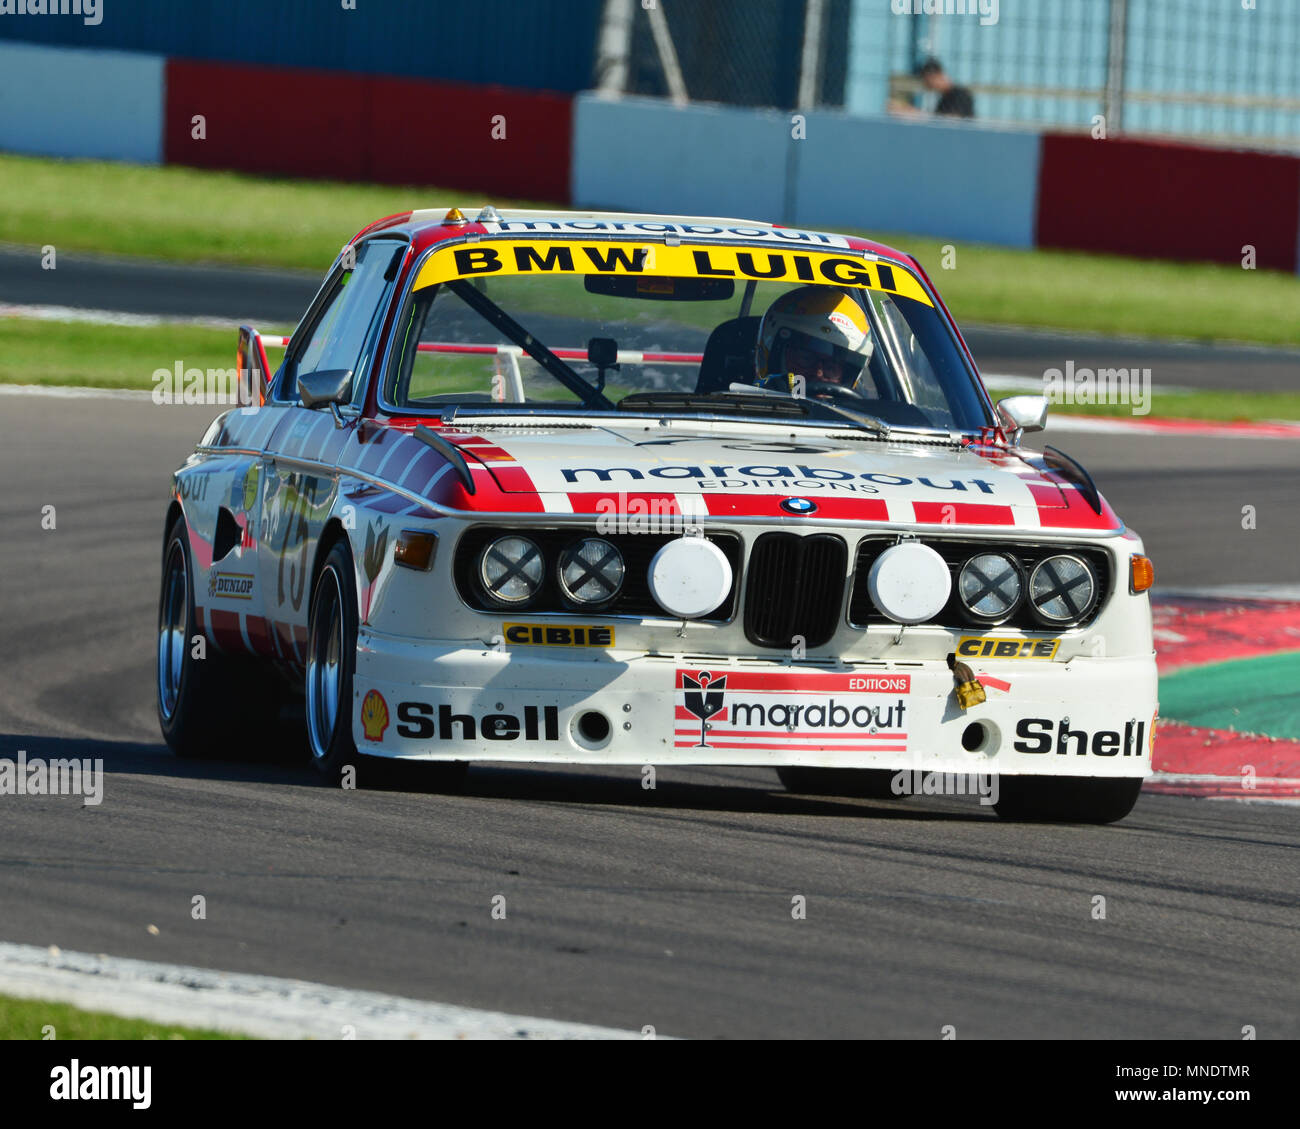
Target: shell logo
point(374, 716)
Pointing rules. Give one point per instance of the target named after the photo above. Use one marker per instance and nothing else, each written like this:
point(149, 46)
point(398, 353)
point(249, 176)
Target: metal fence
point(743, 52)
point(1220, 70)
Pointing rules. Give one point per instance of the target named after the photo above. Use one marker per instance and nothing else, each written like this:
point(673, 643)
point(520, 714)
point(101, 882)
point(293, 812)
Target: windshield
point(605, 328)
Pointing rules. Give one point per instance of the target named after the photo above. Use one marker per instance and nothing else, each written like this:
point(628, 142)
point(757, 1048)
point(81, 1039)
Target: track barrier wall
point(961, 181)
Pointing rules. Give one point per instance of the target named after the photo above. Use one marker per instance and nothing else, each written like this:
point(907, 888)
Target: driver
point(818, 333)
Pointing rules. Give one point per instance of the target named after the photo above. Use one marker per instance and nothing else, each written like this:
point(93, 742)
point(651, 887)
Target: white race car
point(646, 490)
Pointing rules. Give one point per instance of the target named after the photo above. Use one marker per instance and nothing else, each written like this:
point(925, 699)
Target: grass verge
point(191, 215)
point(28, 1019)
point(36, 351)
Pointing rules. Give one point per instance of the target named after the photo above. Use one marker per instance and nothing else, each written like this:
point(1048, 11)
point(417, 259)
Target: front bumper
point(423, 701)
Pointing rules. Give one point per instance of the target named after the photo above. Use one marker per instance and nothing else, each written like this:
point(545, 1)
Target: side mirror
point(1022, 413)
point(326, 386)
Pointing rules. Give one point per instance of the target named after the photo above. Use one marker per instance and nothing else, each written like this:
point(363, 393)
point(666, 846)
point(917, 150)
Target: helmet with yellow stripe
point(817, 332)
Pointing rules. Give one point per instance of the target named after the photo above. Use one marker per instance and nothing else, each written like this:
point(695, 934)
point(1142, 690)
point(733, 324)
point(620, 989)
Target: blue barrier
point(66, 102)
point(956, 181)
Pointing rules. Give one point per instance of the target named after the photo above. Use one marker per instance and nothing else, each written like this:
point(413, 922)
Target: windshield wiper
point(755, 402)
point(870, 422)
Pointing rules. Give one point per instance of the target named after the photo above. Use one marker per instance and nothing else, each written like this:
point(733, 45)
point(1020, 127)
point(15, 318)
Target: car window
point(343, 336)
point(683, 343)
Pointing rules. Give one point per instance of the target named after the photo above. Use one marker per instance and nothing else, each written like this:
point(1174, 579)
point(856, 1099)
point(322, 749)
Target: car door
point(341, 331)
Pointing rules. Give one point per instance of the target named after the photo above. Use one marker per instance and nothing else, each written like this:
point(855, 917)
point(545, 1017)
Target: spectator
point(954, 101)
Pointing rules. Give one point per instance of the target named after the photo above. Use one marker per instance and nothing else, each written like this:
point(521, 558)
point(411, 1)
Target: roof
point(429, 225)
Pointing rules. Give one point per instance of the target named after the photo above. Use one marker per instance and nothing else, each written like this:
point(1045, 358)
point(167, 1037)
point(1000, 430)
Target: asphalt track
point(265, 297)
point(624, 908)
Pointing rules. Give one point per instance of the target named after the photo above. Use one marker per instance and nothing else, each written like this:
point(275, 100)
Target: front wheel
point(1066, 799)
point(331, 656)
point(331, 662)
point(859, 783)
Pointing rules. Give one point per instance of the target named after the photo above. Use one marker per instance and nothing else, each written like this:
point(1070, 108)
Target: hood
point(582, 468)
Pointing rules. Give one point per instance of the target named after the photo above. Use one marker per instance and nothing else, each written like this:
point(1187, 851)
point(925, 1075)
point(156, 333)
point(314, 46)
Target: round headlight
point(1062, 589)
point(909, 582)
point(511, 570)
point(591, 571)
point(990, 586)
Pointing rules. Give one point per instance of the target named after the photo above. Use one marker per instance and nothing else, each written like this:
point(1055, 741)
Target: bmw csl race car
point(641, 490)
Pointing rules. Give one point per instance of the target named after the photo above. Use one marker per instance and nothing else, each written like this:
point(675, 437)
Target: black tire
point(860, 783)
point(1066, 799)
point(331, 662)
point(216, 706)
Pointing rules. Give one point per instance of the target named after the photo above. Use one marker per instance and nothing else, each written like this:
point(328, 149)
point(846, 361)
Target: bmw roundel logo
point(799, 506)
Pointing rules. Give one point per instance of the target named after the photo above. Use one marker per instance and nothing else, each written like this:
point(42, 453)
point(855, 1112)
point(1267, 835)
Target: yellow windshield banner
point(554, 256)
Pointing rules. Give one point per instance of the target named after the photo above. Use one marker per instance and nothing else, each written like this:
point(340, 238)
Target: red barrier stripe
point(1190, 206)
point(342, 126)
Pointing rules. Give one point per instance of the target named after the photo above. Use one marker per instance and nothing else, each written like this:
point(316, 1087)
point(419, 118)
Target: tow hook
point(969, 691)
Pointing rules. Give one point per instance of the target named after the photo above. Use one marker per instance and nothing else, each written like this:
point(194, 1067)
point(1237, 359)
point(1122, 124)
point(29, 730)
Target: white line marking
point(266, 1006)
point(1188, 779)
point(110, 317)
point(68, 392)
point(1002, 381)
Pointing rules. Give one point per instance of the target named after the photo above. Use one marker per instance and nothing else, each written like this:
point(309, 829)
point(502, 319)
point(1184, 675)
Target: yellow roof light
point(455, 216)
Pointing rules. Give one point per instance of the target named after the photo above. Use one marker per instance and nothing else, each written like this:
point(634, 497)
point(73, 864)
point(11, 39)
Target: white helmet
point(820, 319)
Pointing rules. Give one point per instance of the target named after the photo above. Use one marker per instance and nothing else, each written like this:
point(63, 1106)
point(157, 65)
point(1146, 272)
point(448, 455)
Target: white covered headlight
point(909, 582)
point(990, 586)
point(690, 577)
point(591, 572)
point(1062, 589)
point(510, 570)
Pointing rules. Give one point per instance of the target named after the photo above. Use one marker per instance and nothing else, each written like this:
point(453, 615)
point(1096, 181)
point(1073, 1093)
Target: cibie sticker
point(554, 635)
point(791, 711)
point(987, 647)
